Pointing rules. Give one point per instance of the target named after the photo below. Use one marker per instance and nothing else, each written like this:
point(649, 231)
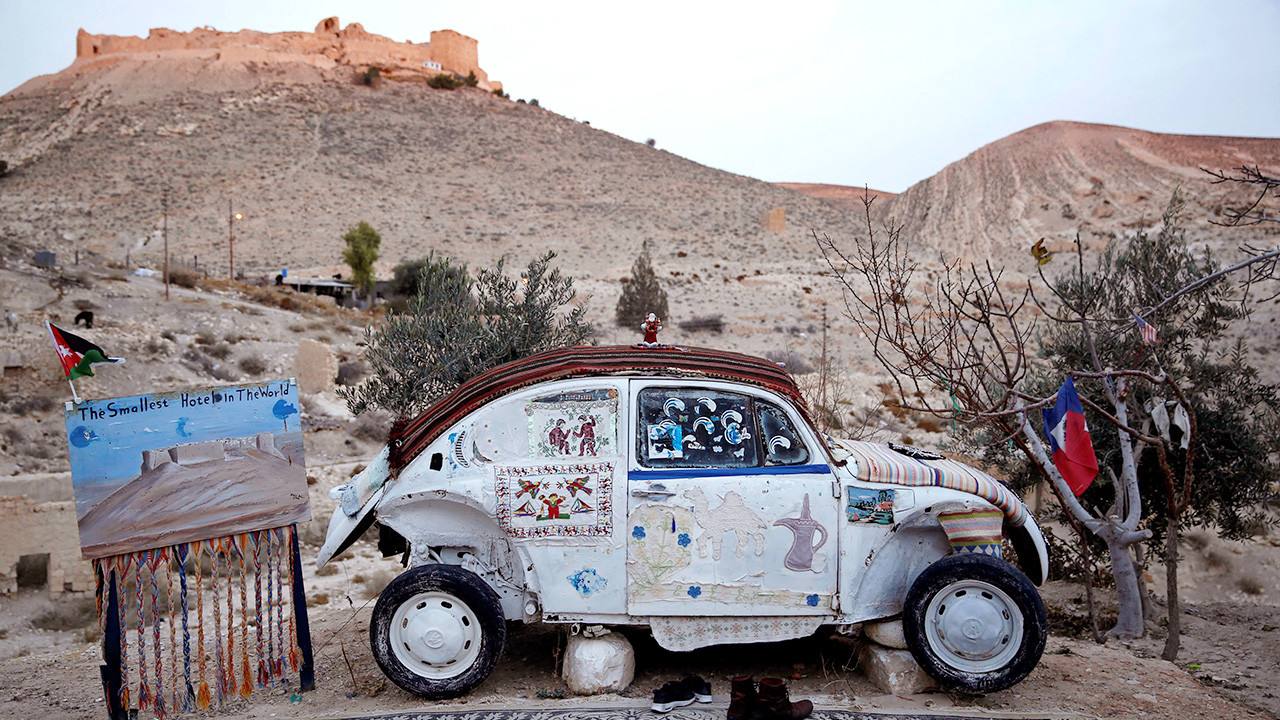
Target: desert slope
point(305, 152)
point(843, 196)
point(1057, 178)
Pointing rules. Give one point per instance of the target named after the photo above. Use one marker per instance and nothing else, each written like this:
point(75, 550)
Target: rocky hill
point(1057, 178)
point(304, 151)
point(284, 133)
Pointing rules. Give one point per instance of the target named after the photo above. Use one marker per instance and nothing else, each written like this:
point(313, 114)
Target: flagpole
point(74, 397)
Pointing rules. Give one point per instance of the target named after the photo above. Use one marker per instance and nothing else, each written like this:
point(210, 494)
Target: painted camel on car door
point(731, 515)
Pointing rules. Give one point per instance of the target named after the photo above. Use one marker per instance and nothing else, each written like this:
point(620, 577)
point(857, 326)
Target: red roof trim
point(410, 437)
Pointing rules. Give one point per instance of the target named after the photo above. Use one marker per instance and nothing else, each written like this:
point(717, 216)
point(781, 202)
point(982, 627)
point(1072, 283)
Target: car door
point(731, 508)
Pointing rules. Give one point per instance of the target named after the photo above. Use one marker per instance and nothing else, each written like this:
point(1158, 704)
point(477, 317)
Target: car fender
point(1033, 554)
point(892, 564)
point(453, 529)
point(917, 540)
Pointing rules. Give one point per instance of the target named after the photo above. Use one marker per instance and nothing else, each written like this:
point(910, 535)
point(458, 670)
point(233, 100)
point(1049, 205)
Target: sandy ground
point(1076, 678)
point(1229, 667)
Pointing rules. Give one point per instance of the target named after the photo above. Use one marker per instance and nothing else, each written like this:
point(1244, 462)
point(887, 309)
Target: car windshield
point(782, 444)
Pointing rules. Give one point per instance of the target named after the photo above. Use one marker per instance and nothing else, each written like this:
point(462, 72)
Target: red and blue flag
point(1070, 446)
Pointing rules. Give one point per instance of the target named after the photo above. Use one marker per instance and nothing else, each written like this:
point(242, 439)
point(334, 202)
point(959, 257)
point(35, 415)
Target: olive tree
point(458, 325)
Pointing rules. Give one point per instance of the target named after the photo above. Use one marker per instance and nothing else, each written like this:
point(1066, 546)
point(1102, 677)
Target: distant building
point(328, 45)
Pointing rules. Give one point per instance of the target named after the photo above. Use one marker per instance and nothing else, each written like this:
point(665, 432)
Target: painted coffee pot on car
point(672, 488)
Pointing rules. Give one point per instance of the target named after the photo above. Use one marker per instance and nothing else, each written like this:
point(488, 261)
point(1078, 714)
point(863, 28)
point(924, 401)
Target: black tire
point(467, 588)
point(993, 571)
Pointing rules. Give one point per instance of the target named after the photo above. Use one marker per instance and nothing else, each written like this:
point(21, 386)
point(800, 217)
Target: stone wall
point(353, 46)
point(31, 528)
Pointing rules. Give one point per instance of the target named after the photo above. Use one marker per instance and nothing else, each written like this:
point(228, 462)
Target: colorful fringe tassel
point(267, 555)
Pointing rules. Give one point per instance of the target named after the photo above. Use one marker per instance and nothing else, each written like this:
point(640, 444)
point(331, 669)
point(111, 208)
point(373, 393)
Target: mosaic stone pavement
point(637, 713)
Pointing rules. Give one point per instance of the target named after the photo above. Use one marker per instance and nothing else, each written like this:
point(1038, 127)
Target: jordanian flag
point(76, 354)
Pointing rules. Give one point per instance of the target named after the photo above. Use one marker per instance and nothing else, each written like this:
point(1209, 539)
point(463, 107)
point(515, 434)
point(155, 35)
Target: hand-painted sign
point(158, 470)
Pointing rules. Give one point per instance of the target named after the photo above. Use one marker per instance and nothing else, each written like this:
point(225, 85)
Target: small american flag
point(1147, 330)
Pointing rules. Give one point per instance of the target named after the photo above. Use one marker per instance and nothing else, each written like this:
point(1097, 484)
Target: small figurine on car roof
point(651, 325)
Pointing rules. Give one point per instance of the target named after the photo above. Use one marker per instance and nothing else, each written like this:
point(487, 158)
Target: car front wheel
point(975, 623)
point(437, 631)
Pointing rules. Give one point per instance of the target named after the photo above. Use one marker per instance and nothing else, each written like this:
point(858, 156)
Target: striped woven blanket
point(877, 463)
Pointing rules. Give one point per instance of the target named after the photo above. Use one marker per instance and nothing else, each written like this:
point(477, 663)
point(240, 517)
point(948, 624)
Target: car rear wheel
point(437, 631)
point(975, 623)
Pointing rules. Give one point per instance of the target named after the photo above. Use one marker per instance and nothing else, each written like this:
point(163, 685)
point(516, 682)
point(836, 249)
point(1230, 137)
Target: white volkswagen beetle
point(685, 490)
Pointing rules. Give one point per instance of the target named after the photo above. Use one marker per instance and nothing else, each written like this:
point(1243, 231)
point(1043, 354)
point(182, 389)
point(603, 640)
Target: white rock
point(893, 671)
point(888, 634)
point(605, 664)
point(315, 366)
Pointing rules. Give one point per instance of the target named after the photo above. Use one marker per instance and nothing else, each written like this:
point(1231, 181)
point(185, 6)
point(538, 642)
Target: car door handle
point(655, 490)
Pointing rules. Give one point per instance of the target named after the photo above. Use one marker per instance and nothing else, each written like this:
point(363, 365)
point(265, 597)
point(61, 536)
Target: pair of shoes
point(678, 693)
point(770, 701)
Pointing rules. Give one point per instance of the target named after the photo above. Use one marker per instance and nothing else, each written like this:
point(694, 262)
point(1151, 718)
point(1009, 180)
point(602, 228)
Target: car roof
point(409, 437)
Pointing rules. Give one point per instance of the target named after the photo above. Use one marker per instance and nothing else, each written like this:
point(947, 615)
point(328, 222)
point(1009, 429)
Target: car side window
point(695, 428)
point(781, 442)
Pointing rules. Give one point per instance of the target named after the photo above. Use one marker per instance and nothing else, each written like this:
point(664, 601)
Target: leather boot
point(774, 703)
point(742, 698)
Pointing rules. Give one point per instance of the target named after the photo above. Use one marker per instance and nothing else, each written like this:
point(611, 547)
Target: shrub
point(372, 427)
point(704, 323)
point(651, 143)
point(253, 364)
point(184, 278)
point(471, 80)
point(29, 404)
point(1251, 585)
point(4, 168)
point(351, 373)
point(642, 293)
point(405, 276)
point(372, 77)
point(375, 582)
point(71, 615)
point(501, 93)
point(445, 81)
point(790, 360)
point(221, 350)
point(224, 373)
point(458, 326)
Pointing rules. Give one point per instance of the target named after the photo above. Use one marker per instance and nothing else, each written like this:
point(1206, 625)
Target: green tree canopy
point(642, 293)
point(459, 325)
point(361, 252)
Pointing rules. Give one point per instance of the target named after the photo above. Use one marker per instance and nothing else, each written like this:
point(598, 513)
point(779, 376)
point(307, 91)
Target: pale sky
point(882, 93)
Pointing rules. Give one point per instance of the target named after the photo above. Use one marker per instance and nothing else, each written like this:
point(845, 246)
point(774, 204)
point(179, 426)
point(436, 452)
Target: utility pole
point(232, 217)
point(231, 242)
point(824, 368)
point(164, 230)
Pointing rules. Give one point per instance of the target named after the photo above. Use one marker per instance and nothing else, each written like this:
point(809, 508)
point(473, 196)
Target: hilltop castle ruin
point(327, 46)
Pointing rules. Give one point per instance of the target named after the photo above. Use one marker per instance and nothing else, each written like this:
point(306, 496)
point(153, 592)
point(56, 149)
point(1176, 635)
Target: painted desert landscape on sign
point(154, 471)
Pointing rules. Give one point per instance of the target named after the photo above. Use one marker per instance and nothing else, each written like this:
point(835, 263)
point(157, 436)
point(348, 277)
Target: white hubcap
point(435, 635)
point(973, 626)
